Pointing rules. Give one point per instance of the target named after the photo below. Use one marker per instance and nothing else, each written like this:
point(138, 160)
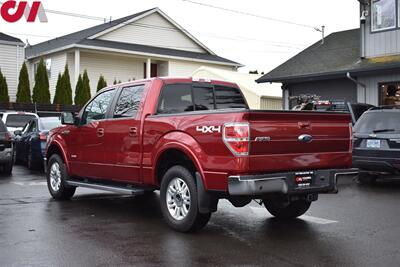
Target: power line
point(253, 15)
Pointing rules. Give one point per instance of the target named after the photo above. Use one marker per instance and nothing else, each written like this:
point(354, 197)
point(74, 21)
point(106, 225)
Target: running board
point(116, 189)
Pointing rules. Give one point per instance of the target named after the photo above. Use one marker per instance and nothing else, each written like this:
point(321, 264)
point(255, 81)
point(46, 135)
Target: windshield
point(378, 122)
point(18, 120)
point(50, 123)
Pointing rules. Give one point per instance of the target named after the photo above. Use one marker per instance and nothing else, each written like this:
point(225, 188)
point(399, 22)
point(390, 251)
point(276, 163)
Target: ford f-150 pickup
point(197, 142)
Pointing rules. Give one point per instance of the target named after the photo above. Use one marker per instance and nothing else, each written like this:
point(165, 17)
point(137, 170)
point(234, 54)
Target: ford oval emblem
point(305, 138)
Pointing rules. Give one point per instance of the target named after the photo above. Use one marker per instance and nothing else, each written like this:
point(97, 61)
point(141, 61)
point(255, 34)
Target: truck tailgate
point(293, 140)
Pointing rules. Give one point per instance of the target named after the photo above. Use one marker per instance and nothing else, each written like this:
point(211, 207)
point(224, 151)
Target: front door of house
point(153, 70)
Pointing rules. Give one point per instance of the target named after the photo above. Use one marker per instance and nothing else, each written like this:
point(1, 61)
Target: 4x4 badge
point(208, 129)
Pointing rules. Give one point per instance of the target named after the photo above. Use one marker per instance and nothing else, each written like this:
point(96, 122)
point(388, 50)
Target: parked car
point(197, 142)
point(30, 143)
point(17, 120)
point(6, 149)
point(377, 143)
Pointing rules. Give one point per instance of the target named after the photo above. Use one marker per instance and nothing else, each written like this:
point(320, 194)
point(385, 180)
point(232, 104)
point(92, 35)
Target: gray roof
point(81, 38)
point(8, 38)
point(338, 55)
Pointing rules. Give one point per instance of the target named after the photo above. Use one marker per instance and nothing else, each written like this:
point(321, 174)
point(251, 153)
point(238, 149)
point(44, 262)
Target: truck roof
point(169, 80)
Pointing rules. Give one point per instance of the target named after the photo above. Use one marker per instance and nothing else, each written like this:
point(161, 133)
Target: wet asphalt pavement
point(358, 227)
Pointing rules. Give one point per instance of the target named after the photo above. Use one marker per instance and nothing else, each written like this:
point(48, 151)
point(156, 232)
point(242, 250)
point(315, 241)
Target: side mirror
point(68, 118)
point(17, 132)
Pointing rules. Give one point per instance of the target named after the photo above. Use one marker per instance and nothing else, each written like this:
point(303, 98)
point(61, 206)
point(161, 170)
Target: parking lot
point(357, 227)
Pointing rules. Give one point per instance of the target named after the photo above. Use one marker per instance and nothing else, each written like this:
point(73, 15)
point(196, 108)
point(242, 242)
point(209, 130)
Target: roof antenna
point(322, 31)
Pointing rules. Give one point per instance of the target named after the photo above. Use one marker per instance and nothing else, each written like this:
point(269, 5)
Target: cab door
point(90, 155)
point(123, 135)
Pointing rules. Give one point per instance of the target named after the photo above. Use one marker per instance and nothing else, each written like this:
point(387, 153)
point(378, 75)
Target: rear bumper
point(380, 164)
point(324, 181)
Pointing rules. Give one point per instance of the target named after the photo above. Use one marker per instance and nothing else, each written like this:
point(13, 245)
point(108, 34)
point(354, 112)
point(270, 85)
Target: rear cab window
point(180, 98)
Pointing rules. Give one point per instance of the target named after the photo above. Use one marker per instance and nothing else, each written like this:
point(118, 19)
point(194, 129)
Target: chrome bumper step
point(111, 188)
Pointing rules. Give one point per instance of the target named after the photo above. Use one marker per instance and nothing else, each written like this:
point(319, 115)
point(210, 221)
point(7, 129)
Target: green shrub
point(41, 92)
point(101, 83)
point(24, 90)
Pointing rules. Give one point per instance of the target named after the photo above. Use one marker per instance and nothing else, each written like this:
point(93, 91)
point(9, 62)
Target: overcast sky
point(257, 43)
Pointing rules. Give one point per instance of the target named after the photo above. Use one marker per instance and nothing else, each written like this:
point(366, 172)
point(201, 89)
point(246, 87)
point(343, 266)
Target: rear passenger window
point(204, 98)
point(228, 97)
point(175, 98)
point(128, 102)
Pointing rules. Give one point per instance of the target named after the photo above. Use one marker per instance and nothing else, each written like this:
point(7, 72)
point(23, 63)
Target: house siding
point(340, 89)
point(372, 90)
point(112, 67)
point(186, 68)
point(11, 60)
point(58, 62)
point(153, 30)
point(381, 43)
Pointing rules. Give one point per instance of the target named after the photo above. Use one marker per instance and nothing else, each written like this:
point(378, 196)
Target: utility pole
point(322, 31)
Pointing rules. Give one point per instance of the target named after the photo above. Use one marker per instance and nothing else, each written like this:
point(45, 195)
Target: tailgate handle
point(304, 124)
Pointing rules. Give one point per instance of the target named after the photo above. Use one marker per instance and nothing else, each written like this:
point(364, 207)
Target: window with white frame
point(383, 15)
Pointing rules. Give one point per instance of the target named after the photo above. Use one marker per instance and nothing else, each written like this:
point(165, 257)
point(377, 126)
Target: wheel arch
point(56, 148)
point(171, 152)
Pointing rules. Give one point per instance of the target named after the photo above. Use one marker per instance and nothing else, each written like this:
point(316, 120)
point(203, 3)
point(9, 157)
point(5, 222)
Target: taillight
point(42, 137)
point(236, 137)
point(8, 136)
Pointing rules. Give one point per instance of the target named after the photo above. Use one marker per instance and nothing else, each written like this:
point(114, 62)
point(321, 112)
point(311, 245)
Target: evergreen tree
point(24, 91)
point(59, 90)
point(115, 81)
point(86, 87)
point(101, 83)
point(4, 98)
point(78, 100)
point(67, 94)
point(41, 92)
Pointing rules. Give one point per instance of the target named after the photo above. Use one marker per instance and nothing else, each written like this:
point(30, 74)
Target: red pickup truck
point(197, 142)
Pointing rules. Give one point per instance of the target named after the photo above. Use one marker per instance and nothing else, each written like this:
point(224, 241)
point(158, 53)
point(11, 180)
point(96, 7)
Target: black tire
point(194, 220)
point(7, 168)
point(366, 178)
point(282, 209)
point(64, 191)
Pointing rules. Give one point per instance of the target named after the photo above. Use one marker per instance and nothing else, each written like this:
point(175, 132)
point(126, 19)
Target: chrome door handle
point(132, 131)
point(100, 132)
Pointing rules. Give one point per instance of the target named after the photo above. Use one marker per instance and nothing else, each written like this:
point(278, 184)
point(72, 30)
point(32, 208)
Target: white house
point(258, 96)
point(142, 45)
point(11, 58)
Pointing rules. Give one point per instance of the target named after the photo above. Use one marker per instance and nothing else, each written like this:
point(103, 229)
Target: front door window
point(390, 94)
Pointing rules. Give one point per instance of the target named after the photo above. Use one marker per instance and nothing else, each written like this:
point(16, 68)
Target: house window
point(390, 94)
point(383, 15)
point(47, 62)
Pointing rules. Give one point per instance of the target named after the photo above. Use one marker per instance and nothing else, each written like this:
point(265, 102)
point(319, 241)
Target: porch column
point(148, 68)
point(77, 65)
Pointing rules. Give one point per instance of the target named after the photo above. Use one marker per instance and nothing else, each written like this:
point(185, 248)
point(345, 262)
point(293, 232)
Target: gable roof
point(7, 38)
point(87, 37)
point(339, 53)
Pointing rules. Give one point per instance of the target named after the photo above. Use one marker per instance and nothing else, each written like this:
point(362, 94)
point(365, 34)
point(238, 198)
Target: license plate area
point(373, 143)
point(304, 179)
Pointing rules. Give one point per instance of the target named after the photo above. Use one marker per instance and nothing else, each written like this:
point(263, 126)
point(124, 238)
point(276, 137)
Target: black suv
point(377, 143)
